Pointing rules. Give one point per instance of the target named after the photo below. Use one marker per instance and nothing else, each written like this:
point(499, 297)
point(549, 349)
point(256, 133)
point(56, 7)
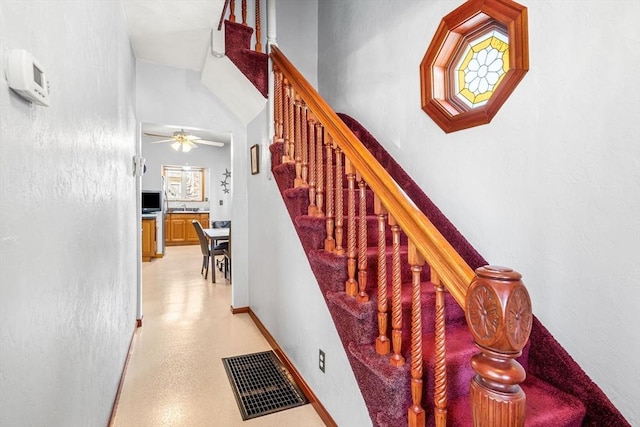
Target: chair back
point(204, 243)
point(220, 224)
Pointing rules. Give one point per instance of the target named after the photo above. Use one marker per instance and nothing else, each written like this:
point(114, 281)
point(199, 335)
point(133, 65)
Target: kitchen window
point(184, 184)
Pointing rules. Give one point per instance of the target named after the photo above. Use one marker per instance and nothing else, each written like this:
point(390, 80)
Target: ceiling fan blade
point(159, 136)
point(189, 143)
point(161, 140)
point(213, 143)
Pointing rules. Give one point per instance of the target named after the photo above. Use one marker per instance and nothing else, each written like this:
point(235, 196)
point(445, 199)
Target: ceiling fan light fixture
point(176, 146)
point(186, 148)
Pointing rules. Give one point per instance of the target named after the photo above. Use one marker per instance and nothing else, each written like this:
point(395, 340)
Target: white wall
point(550, 187)
point(283, 292)
point(68, 216)
point(297, 35)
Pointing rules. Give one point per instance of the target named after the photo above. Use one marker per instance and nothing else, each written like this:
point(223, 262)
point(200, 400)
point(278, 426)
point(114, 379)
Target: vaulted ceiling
point(174, 33)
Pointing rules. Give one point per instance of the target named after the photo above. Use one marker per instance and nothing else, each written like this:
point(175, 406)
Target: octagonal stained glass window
point(478, 55)
point(482, 66)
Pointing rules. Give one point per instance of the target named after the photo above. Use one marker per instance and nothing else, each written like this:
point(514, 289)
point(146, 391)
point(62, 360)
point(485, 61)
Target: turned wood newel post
point(498, 312)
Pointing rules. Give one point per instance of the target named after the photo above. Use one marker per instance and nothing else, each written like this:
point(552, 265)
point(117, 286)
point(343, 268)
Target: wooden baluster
point(498, 312)
point(292, 128)
point(440, 393)
point(304, 140)
point(329, 242)
point(396, 358)
point(339, 211)
point(277, 108)
point(382, 342)
point(362, 241)
point(232, 8)
point(285, 120)
point(351, 285)
point(416, 416)
point(244, 12)
point(319, 171)
point(258, 31)
point(311, 120)
point(297, 113)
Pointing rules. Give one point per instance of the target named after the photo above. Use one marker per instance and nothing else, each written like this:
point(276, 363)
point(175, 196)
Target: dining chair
point(227, 256)
point(222, 244)
point(204, 248)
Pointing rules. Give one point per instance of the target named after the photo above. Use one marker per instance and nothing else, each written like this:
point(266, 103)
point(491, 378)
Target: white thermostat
point(26, 77)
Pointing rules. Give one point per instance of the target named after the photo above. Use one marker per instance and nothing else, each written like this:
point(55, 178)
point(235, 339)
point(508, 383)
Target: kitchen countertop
point(188, 212)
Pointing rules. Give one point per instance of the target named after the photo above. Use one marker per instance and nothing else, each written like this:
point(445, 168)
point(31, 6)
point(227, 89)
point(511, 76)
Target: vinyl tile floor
point(175, 376)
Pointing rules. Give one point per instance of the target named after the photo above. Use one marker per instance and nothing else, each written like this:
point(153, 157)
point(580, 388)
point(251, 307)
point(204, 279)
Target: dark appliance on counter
point(151, 201)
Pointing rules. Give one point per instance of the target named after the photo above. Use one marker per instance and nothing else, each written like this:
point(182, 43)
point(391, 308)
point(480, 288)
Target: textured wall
point(294, 18)
point(67, 217)
point(550, 187)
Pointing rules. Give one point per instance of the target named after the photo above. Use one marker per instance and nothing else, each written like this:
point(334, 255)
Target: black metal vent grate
point(261, 384)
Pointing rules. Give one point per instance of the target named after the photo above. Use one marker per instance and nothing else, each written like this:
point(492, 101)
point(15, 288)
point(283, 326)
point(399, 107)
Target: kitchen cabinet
point(148, 239)
point(180, 231)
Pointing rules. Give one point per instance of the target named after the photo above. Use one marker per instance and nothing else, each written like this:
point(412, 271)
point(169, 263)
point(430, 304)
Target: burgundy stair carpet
point(558, 392)
point(254, 65)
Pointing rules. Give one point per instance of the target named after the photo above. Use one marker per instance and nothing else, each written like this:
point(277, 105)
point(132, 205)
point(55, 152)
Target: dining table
point(215, 236)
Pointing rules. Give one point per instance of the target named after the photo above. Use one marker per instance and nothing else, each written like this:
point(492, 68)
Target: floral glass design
point(478, 55)
point(482, 67)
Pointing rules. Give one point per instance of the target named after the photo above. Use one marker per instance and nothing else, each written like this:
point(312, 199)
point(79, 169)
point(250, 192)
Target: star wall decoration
point(225, 183)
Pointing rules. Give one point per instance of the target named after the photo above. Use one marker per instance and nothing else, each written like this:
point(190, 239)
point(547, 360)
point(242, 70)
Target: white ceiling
point(175, 33)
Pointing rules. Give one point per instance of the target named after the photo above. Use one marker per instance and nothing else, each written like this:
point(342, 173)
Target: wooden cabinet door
point(167, 228)
point(178, 229)
point(192, 236)
point(204, 220)
point(148, 239)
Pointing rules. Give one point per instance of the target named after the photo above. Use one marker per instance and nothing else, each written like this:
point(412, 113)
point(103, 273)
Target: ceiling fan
point(183, 141)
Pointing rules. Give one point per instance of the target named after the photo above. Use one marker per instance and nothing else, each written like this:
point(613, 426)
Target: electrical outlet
point(321, 360)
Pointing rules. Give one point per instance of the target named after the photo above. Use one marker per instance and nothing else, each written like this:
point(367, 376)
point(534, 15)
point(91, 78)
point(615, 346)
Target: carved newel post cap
point(498, 309)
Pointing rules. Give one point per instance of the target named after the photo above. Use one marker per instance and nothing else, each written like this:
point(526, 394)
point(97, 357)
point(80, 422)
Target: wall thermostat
point(26, 77)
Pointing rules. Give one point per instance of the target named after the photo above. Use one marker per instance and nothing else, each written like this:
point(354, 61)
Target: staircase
point(396, 386)
point(415, 365)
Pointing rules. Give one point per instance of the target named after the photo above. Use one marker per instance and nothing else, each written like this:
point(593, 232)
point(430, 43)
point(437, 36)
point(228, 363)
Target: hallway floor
point(175, 376)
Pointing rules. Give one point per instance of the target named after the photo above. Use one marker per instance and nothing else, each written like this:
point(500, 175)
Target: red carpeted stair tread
point(386, 386)
point(460, 348)
point(237, 36)
point(546, 406)
point(254, 65)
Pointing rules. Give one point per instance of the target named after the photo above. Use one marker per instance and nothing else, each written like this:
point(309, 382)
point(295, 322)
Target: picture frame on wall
point(255, 159)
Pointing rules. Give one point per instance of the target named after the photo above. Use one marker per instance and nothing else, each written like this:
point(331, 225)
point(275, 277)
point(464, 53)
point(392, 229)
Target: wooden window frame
point(437, 96)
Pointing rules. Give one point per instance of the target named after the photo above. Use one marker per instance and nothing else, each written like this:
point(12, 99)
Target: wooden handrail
point(453, 271)
point(224, 12)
